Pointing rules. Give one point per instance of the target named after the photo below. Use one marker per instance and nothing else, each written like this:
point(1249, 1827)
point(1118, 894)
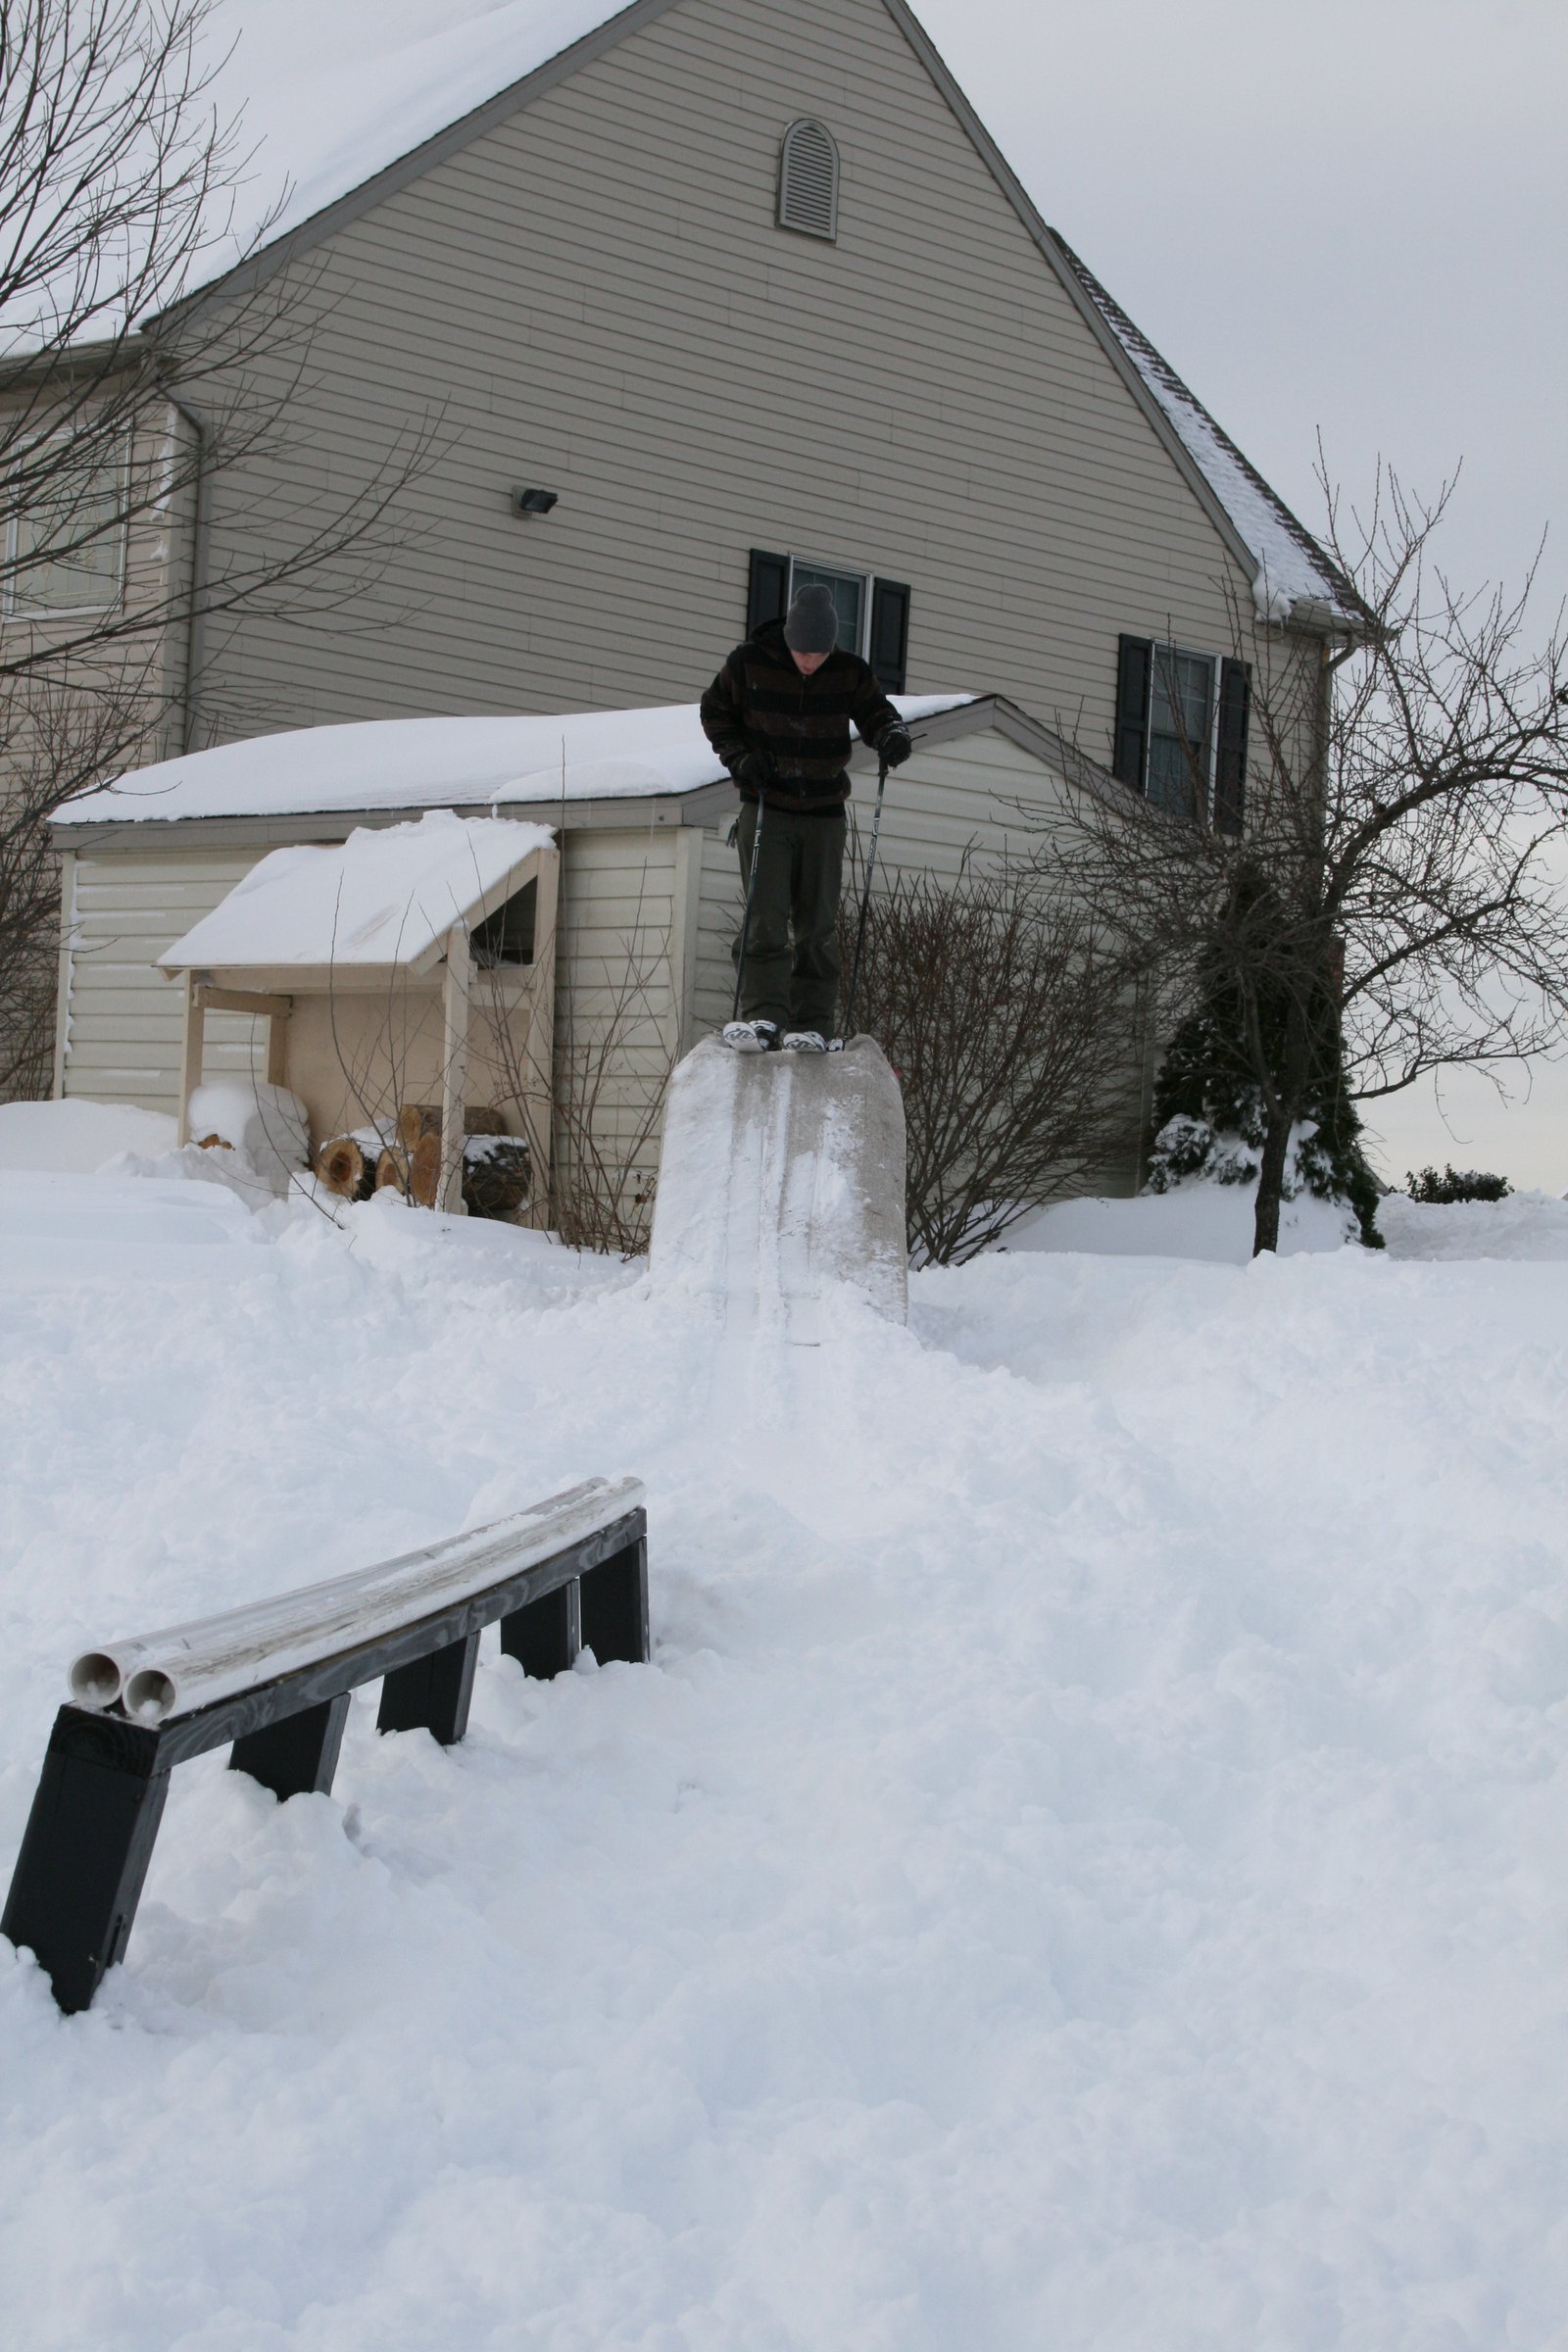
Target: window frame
point(1210, 662)
point(11, 520)
point(866, 581)
point(1214, 663)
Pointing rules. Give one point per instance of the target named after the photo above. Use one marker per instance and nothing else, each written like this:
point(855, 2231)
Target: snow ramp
point(781, 1181)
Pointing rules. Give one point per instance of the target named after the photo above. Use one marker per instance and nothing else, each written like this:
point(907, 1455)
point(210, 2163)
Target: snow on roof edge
point(440, 763)
point(1291, 566)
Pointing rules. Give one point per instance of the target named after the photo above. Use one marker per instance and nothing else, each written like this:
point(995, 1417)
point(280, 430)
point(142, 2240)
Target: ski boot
point(752, 1037)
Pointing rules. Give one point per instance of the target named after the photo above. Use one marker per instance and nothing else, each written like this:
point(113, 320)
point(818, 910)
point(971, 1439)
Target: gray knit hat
point(812, 626)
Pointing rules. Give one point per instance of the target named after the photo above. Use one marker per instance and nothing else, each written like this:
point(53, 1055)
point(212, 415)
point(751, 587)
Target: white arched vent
point(809, 181)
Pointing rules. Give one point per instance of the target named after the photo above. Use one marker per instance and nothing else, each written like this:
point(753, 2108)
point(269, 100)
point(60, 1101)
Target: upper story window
point(873, 614)
point(809, 181)
point(65, 537)
point(1181, 730)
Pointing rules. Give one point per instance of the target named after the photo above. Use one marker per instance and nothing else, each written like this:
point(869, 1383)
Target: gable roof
point(447, 70)
point(1293, 567)
point(380, 899)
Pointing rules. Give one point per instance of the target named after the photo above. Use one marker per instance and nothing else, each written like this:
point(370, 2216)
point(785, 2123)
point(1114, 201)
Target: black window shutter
point(769, 591)
point(890, 635)
point(1134, 658)
point(1230, 761)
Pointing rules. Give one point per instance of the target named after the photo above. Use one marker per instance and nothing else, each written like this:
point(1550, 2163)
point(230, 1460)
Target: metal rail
point(94, 1821)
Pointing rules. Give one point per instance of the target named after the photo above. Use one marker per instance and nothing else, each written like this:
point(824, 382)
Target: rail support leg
point(434, 1694)
point(86, 1850)
point(614, 1606)
point(545, 1636)
point(298, 1756)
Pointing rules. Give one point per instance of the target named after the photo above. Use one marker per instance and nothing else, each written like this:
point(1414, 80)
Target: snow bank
point(77, 1136)
point(266, 1124)
point(1212, 1222)
point(436, 763)
point(1526, 1225)
point(1082, 1869)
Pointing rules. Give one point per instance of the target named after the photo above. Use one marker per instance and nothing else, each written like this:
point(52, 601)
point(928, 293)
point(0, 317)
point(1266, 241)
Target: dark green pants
point(792, 950)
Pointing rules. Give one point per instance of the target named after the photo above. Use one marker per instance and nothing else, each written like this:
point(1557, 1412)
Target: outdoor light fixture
point(533, 502)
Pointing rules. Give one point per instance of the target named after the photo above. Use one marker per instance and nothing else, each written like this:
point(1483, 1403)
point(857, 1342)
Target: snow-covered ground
point(1085, 1869)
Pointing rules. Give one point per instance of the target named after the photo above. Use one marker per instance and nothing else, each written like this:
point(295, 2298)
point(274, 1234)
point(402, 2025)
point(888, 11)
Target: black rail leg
point(546, 1637)
point(614, 1606)
point(434, 1694)
point(84, 1853)
point(298, 1756)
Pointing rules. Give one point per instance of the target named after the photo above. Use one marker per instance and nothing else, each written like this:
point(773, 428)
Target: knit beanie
point(812, 626)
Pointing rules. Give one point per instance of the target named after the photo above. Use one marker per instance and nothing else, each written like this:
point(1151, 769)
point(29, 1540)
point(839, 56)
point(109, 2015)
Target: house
point(724, 295)
point(641, 962)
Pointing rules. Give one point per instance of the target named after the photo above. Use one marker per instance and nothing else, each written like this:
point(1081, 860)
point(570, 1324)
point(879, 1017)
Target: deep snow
point(1085, 1868)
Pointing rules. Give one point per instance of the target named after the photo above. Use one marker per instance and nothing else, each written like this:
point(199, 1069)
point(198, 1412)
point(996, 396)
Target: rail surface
point(274, 1679)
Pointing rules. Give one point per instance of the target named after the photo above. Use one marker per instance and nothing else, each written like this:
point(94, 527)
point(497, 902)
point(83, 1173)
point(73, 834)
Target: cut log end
point(344, 1169)
point(424, 1170)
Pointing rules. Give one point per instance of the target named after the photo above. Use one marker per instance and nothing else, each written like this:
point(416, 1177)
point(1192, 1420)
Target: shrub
point(1456, 1184)
point(1012, 1027)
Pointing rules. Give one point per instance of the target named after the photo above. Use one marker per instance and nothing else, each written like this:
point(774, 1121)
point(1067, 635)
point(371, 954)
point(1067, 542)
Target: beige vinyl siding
point(623, 986)
point(123, 1020)
point(595, 292)
point(950, 799)
point(974, 798)
point(620, 990)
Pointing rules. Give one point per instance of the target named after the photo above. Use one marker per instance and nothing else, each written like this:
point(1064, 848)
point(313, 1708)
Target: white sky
point(1351, 218)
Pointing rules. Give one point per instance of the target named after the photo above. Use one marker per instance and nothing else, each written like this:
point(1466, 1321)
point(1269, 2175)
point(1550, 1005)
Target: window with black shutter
point(889, 655)
point(873, 615)
point(1230, 754)
point(1135, 662)
point(767, 595)
point(1181, 730)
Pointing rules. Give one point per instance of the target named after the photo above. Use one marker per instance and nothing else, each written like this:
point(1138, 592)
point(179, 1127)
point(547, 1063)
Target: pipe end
point(150, 1695)
point(95, 1680)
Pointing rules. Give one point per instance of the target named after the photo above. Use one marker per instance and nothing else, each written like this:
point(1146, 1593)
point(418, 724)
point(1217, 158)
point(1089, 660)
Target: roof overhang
point(704, 807)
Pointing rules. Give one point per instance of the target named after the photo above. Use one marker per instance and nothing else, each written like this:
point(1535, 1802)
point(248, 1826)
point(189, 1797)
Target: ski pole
point(745, 918)
point(866, 903)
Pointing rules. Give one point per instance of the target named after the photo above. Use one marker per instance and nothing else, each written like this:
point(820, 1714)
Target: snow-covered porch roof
point(563, 769)
point(381, 903)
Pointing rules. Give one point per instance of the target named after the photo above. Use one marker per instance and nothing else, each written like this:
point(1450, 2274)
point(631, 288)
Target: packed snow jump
point(776, 1184)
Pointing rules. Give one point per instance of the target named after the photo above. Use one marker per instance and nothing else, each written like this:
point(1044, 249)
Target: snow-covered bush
point(1209, 1123)
point(1456, 1184)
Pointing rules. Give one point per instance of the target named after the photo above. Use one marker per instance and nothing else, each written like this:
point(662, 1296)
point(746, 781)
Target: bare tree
point(127, 391)
point(1390, 904)
point(1012, 1025)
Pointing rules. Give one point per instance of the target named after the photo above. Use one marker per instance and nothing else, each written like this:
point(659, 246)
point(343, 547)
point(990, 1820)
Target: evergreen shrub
point(1456, 1184)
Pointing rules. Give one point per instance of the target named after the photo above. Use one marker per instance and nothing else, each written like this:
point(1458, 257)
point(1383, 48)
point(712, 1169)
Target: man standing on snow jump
point(778, 716)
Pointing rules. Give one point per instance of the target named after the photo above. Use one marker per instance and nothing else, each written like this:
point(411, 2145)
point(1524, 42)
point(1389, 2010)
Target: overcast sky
point(1349, 219)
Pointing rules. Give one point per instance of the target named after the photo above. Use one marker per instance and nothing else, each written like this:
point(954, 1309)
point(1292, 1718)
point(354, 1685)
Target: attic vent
point(809, 181)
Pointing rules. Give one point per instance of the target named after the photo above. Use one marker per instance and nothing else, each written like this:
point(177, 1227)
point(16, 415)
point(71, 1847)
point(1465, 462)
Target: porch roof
point(414, 763)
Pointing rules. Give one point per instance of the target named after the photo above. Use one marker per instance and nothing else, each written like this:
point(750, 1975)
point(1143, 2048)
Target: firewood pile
point(496, 1173)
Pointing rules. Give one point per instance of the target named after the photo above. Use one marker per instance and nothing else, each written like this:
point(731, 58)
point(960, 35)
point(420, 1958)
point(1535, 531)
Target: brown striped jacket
point(760, 701)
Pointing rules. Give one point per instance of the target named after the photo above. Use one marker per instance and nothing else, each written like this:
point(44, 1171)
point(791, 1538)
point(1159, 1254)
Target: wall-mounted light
point(534, 502)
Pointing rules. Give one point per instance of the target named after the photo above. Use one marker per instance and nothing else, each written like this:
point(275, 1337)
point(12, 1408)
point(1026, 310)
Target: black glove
point(756, 770)
point(894, 745)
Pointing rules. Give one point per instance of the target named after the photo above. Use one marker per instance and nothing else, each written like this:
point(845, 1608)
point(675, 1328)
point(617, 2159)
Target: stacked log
point(346, 1167)
point(496, 1170)
point(496, 1176)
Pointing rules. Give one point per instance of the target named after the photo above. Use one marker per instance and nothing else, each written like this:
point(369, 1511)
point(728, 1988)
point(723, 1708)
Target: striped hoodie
point(760, 701)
